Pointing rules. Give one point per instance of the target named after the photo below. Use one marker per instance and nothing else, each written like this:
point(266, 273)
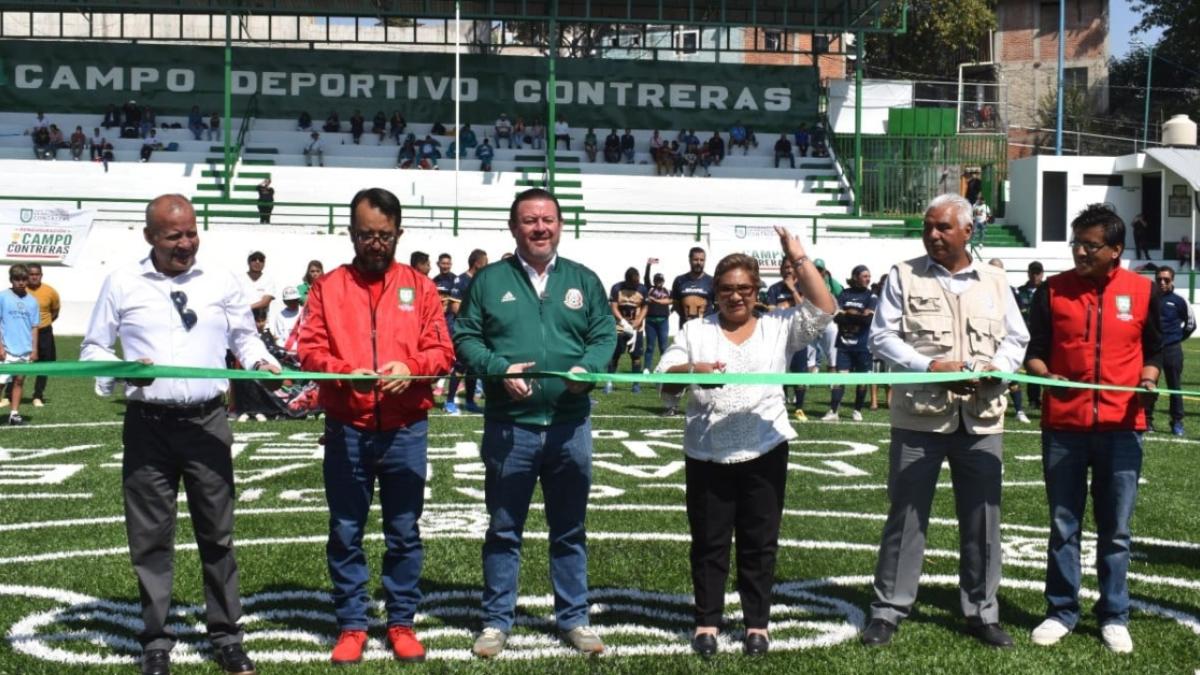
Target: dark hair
point(1035, 267)
point(737, 261)
point(694, 250)
point(418, 257)
point(383, 200)
point(18, 271)
point(1101, 215)
point(529, 195)
point(309, 266)
point(256, 255)
point(1168, 269)
point(475, 256)
point(443, 256)
point(32, 266)
point(632, 275)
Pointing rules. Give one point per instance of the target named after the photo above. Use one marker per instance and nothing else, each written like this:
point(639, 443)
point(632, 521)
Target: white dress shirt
point(538, 280)
point(888, 345)
point(135, 305)
point(739, 422)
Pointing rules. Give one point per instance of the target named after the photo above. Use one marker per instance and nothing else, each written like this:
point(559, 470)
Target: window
point(1110, 179)
point(687, 42)
point(820, 44)
point(772, 41)
point(1075, 79)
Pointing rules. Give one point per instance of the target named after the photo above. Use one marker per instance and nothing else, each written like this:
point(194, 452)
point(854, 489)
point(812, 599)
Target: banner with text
point(47, 235)
point(603, 93)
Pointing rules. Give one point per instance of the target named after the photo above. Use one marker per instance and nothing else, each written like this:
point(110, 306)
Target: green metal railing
point(900, 174)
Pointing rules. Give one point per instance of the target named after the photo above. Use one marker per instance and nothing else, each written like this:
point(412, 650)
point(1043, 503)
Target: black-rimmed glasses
point(186, 315)
point(1089, 246)
point(365, 237)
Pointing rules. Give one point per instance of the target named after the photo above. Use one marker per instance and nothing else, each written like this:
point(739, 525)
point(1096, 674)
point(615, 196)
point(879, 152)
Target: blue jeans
point(657, 331)
point(516, 456)
point(1115, 458)
point(354, 460)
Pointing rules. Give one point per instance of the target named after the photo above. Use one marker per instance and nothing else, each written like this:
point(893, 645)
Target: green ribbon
point(134, 370)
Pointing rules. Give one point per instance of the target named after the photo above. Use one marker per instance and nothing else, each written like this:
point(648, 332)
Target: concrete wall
point(1025, 200)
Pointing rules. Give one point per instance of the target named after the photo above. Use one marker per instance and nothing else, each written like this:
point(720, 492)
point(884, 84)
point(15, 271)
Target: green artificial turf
point(73, 542)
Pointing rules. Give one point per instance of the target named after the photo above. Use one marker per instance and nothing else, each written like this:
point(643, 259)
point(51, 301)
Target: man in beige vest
point(942, 313)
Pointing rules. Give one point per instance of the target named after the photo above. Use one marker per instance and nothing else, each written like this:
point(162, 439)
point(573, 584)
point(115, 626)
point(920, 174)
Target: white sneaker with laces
point(1116, 638)
point(830, 416)
point(1022, 417)
point(243, 417)
point(1049, 632)
point(856, 416)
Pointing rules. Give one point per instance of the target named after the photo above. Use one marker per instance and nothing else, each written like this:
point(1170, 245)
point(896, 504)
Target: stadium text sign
point(589, 92)
point(53, 236)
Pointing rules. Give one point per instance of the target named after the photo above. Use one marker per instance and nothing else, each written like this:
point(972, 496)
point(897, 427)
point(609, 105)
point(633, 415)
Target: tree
point(574, 40)
point(941, 34)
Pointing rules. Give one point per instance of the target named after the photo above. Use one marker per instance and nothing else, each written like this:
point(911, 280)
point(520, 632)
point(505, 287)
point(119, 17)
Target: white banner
point(47, 235)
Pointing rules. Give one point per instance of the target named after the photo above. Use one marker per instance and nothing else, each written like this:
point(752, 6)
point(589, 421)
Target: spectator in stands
point(396, 126)
point(408, 153)
point(1184, 251)
point(750, 137)
point(452, 150)
point(149, 121)
point(379, 126)
point(612, 147)
point(77, 143)
point(691, 157)
point(304, 123)
point(656, 143)
point(783, 148)
point(333, 124)
point(357, 124)
point(705, 156)
point(737, 136)
point(438, 129)
point(419, 261)
point(536, 135)
point(562, 132)
point(802, 141)
point(818, 141)
point(504, 130)
point(429, 153)
point(195, 122)
point(664, 160)
point(314, 148)
point(131, 120)
point(266, 202)
point(112, 117)
point(260, 290)
point(149, 145)
point(690, 138)
point(590, 144)
point(677, 159)
point(214, 126)
point(484, 153)
point(628, 145)
point(312, 272)
point(96, 145)
point(57, 142)
point(519, 133)
point(716, 148)
point(106, 154)
point(467, 137)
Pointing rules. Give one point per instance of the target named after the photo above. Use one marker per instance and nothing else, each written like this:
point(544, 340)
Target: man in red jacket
point(1097, 323)
point(375, 317)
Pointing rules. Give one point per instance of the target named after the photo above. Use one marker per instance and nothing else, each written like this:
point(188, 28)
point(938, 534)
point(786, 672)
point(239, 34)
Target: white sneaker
point(243, 417)
point(830, 416)
point(856, 416)
point(1116, 637)
point(37, 403)
point(608, 387)
point(1049, 632)
point(259, 417)
point(1022, 417)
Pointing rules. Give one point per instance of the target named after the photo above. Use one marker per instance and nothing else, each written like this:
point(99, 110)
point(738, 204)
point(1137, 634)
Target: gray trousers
point(160, 448)
point(975, 469)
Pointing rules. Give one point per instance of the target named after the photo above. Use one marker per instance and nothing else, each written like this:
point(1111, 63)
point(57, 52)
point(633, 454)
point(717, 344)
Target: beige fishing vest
point(968, 327)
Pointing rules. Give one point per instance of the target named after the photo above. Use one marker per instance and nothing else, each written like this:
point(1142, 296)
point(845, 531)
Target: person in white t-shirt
point(260, 290)
point(284, 319)
point(562, 132)
point(981, 215)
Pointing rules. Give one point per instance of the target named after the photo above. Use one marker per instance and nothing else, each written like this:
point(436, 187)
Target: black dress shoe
point(756, 644)
point(990, 634)
point(878, 633)
point(233, 660)
point(704, 644)
point(156, 662)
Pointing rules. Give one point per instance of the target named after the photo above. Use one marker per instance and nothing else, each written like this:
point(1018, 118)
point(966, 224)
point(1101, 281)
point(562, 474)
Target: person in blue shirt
point(467, 137)
point(802, 141)
point(19, 317)
point(737, 136)
point(856, 309)
point(477, 260)
point(1178, 324)
point(484, 153)
point(781, 295)
point(692, 292)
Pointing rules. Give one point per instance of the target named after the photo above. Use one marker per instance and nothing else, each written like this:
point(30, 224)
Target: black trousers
point(161, 447)
point(747, 499)
point(46, 352)
point(1172, 356)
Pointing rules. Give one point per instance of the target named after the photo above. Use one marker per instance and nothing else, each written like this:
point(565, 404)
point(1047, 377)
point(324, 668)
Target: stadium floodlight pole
point(858, 93)
point(458, 149)
point(228, 104)
point(551, 86)
point(1058, 118)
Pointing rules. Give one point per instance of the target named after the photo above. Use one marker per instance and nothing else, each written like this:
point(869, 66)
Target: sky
point(1121, 21)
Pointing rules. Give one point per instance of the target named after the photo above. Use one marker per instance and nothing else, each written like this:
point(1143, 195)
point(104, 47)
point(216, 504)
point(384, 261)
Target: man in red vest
point(1096, 323)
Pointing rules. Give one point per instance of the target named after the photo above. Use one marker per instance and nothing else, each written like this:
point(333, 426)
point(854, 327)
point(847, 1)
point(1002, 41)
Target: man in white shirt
point(981, 215)
point(168, 309)
point(503, 130)
point(314, 148)
point(284, 319)
point(562, 132)
point(259, 287)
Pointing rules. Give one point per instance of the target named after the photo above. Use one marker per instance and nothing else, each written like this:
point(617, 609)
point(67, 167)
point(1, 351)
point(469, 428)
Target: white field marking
point(62, 425)
point(606, 455)
point(642, 471)
point(45, 495)
point(276, 453)
point(645, 449)
point(671, 486)
point(38, 474)
point(460, 450)
point(853, 449)
point(1025, 458)
point(257, 475)
point(25, 454)
point(836, 468)
point(943, 486)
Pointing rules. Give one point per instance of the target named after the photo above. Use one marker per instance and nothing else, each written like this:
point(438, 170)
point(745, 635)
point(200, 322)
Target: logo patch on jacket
point(508, 297)
point(1125, 307)
point(406, 295)
point(574, 299)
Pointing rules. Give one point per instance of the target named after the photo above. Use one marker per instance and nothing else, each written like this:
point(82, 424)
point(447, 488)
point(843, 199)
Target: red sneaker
point(405, 645)
point(349, 647)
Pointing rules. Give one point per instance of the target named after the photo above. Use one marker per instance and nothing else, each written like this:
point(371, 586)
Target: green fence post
point(79, 204)
point(206, 217)
point(814, 228)
point(699, 226)
point(576, 224)
point(455, 221)
point(331, 228)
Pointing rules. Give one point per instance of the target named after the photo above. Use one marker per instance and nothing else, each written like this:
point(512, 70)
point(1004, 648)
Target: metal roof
point(1183, 161)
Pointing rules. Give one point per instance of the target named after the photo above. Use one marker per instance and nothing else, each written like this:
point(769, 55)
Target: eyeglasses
point(742, 289)
point(365, 237)
point(186, 315)
point(1165, 280)
point(1089, 246)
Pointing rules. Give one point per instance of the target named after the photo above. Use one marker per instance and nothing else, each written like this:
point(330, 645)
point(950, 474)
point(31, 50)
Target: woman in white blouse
point(736, 438)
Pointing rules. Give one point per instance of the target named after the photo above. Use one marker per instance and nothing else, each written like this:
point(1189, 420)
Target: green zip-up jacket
point(502, 321)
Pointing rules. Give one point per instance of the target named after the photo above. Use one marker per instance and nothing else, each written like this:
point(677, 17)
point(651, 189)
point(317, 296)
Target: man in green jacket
point(536, 311)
